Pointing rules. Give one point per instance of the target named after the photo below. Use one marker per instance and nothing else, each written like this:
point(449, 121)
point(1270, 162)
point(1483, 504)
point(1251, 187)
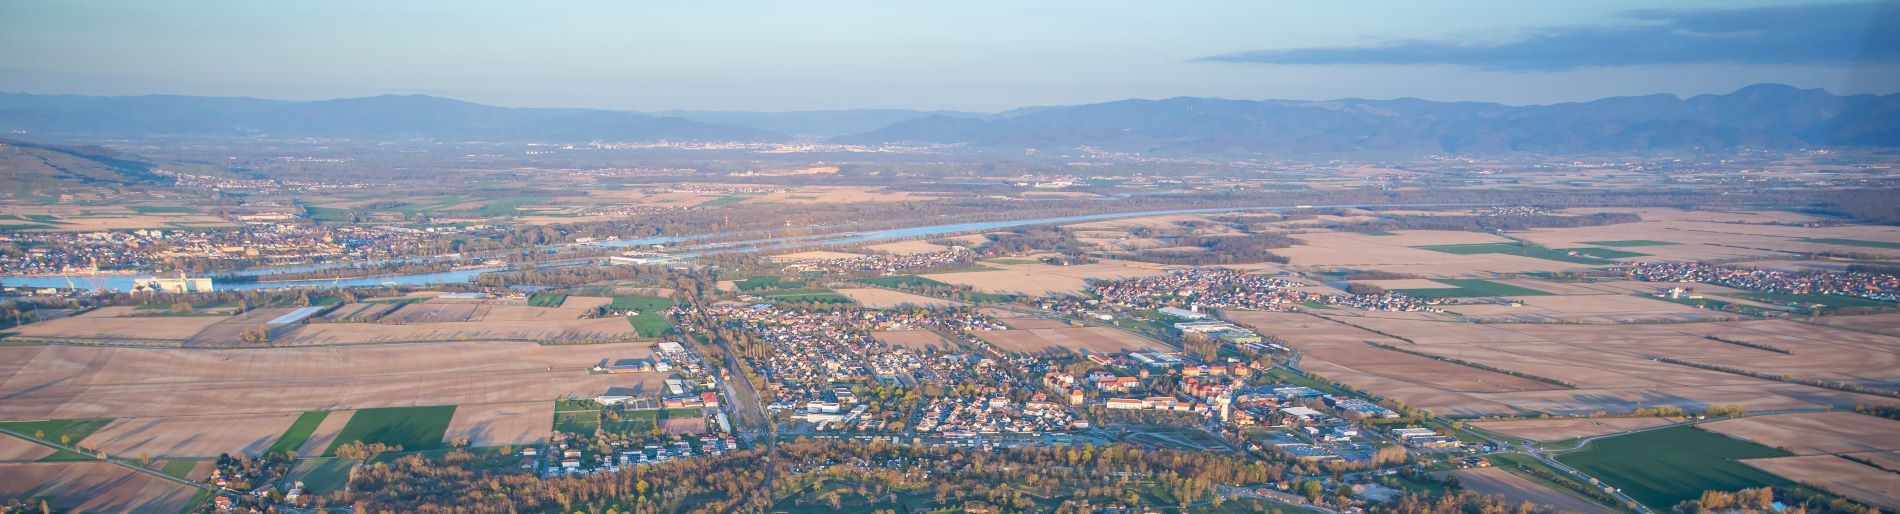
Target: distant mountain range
point(376, 117)
point(1760, 116)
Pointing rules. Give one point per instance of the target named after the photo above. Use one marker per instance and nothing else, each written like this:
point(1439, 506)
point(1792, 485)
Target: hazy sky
point(967, 54)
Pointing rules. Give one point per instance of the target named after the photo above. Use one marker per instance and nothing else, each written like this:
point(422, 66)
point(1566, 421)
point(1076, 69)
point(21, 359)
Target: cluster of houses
point(972, 415)
point(276, 238)
point(566, 456)
point(996, 397)
point(888, 264)
point(1226, 288)
point(1877, 286)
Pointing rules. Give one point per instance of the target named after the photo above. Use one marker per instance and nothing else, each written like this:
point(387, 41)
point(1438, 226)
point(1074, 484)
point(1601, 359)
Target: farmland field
point(903, 280)
point(1662, 468)
point(1514, 488)
point(55, 382)
point(413, 428)
point(1623, 243)
point(496, 424)
point(1815, 433)
point(1830, 301)
point(192, 436)
point(299, 432)
point(1465, 288)
point(1515, 249)
point(1838, 475)
point(807, 295)
point(17, 449)
point(886, 299)
point(1558, 429)
point(1851, 242)
point(93, 487)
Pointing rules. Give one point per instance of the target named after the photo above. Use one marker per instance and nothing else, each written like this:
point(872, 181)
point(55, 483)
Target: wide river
point(125, 282)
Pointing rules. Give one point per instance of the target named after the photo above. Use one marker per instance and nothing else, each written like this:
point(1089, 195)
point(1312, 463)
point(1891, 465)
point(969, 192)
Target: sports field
point(642, 303)
point(649, 324)
point(639, 422)
point(1664, 467)
point(581, 417)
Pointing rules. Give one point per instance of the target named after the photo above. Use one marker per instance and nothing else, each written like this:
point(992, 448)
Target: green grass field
point(577, 417)
point(722, 201)
point(807, 295)
point(403, 301)
point(1708, 303)
point(1515, 249)
point(644, 304)
point(1662, 468)
point(1829, 301)
point(1623, 243)
point(645, 421)
point(1851, 242)
point(1604, 253)
point(766, 282)
point(326, 213)
point(509, 206)
point(178, 468)
point(66, 456)
point(323, 476)
point(900, 281)
point(415, 428)
point(1470, 287)
point(1377, 233)
point(73, 430)
point(649, 324)
point(633, 422)
point(298, 432)
point(163, 209)
point(546, 299)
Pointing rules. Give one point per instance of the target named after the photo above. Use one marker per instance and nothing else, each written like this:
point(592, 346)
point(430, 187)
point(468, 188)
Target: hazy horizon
point(983, 56)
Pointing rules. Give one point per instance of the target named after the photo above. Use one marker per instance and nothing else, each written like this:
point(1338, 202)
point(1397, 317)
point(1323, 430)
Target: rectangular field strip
point(415, 428)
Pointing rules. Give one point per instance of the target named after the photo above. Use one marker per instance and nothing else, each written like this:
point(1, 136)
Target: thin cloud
point(1827, 34)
